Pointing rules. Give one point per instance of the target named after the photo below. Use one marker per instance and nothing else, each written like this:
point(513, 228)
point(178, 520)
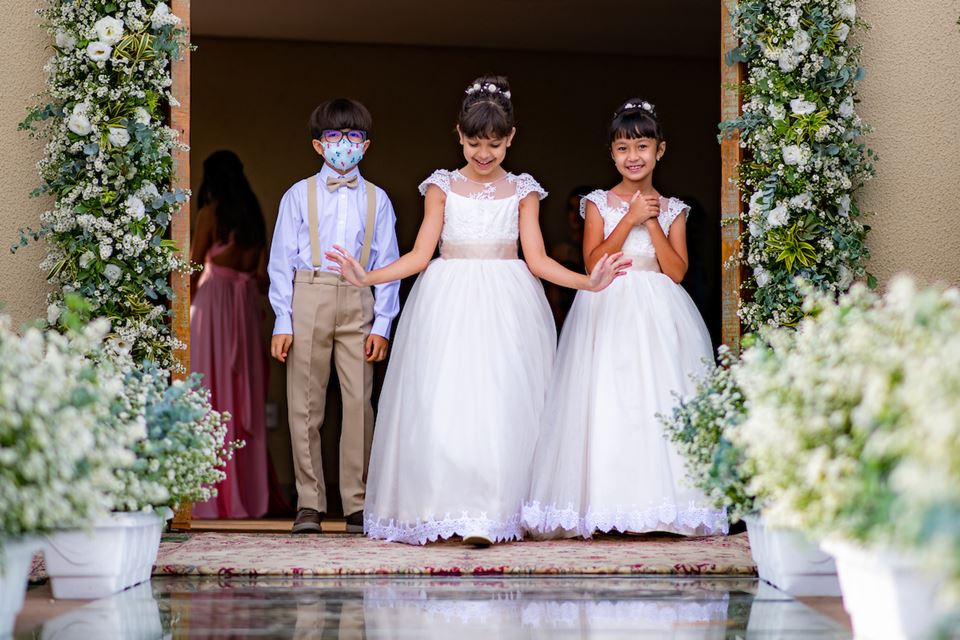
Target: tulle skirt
point(461, 404)
point(603, 462)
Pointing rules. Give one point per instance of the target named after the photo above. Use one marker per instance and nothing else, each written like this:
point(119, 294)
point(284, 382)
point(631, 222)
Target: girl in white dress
point(602, 462)
point(463, 394)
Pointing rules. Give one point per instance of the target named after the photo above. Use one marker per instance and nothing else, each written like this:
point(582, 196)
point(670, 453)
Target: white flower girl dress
point(463, 394)
point(603, 462)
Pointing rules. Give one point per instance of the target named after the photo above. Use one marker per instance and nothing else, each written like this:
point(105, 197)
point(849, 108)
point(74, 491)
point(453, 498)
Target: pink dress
point(227, 347)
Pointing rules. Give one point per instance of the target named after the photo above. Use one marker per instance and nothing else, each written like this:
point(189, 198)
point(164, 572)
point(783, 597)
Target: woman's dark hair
point(235, 206)
point(636, 118)
point(340, 113)
point(487, 111)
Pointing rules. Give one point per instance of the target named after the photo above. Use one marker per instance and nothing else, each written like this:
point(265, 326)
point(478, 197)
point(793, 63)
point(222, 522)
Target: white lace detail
point(692, 520)
point(526, 185)
point(638, 241)
point(440, 177)
point(424, 531)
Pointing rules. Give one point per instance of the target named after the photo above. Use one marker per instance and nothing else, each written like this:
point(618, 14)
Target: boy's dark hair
point(636, 118)
point(340, 113)
point(487, 111)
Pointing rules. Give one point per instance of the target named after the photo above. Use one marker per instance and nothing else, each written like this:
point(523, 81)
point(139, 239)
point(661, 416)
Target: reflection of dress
point(603, 461)
point(227, 347)
point(462, 398)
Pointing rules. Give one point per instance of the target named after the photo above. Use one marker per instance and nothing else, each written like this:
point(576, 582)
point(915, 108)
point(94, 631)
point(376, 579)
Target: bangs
point(633, 125)
point(486, 120)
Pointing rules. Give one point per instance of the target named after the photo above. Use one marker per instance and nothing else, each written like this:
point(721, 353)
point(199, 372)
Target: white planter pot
point(790, 562)
point(118, 553)
point(888, 594)
point(132, 614)
point(14, 573)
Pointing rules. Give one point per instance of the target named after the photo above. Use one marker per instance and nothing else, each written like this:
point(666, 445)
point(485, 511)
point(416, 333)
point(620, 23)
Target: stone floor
point(450, 608)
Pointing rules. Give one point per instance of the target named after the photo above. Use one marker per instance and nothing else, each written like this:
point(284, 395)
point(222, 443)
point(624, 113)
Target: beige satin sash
point(478, 250)
point(643, 262)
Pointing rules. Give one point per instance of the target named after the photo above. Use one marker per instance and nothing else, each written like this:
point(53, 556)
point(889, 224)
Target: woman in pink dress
point(226, 341)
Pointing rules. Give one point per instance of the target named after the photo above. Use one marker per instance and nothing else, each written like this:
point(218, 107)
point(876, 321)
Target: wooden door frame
point(731, 201)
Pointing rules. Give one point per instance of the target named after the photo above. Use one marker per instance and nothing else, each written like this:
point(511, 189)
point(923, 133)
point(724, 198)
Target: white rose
point(492, 88)
point(792, 154)
point(109, 30)
point(846, 107)
point(776, 111)
point(99, 51)
point(844, 205)
point(802, 107)
point(802, 201)
point(86, 259)
point(65, 41)
point(778, 215)
point(79, 123)
point(119, 136)
point(53, 314)
point(134, 206)
point(141, 115)
point(801, 41)
point(788, 60)
point(112, 273)
point(761, 276)
point(843, 30)
point(106, 251)
point(848, 11)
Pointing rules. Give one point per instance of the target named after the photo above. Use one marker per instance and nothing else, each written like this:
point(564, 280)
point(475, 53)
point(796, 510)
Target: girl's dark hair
point(236, 207)
point(340, 113)
point(636, 118)
point(487, 111)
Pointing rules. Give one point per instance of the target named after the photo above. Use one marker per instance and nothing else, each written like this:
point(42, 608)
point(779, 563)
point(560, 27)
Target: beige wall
point(22, 286)
point(911, 97)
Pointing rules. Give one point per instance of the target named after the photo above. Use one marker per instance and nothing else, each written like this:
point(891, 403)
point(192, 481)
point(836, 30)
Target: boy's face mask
point(343, 154)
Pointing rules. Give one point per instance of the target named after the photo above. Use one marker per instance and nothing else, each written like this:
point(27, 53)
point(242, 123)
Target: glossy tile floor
point(450, 608)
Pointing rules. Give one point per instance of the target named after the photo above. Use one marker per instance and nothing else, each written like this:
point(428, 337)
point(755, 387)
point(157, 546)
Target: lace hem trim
point(692, 520)
point(424, 531)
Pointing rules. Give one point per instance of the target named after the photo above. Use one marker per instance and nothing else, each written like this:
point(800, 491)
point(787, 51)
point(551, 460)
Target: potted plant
point(178, 461)
point(700, 427)
point(64, 433)
point(851, 433)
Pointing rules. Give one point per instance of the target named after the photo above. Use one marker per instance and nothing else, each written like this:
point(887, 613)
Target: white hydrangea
point(802, 107)
point(65, 40)
point(134, 207)
point(846, 107)
point(793, 155)
point(778, 215)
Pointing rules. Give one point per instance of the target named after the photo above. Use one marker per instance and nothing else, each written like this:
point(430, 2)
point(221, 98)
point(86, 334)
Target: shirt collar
point(327, 172)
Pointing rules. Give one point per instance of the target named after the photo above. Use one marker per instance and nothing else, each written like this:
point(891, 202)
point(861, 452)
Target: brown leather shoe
point(308, 521)
point(355, 522)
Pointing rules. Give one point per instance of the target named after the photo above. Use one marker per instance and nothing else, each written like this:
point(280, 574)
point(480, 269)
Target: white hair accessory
point(489, 88)
point(646, 106)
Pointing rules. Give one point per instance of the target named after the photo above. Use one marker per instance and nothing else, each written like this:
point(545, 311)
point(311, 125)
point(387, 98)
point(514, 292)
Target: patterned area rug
point(228, 554)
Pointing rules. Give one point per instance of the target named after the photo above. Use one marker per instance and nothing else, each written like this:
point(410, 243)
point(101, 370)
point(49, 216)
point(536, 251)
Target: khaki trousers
point(330, 318)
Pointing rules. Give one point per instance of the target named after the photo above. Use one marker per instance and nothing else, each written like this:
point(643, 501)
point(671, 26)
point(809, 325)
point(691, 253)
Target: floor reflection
point(449, 608)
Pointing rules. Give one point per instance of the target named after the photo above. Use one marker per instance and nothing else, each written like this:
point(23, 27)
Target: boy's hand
point(376, 348)
point(280, 346)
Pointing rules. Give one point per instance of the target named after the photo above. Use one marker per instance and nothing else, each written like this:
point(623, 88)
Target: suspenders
point(315, 224)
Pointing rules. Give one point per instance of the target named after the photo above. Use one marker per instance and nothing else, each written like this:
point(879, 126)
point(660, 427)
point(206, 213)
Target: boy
point(320, 315)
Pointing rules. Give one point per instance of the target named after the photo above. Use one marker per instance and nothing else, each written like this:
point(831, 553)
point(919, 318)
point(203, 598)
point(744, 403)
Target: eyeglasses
point(356, 136)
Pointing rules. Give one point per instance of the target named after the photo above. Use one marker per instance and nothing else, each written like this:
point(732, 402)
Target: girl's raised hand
point(643, 208)
point(608, 269)
point(347, 266)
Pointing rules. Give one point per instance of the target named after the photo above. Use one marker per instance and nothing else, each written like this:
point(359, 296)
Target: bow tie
point(335, 183)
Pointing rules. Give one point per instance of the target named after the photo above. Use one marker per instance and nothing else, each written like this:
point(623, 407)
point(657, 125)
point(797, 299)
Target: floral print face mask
point(342, 154)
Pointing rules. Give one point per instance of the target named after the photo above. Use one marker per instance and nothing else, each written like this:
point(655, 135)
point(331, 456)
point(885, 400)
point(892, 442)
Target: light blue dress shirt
point(341, 217)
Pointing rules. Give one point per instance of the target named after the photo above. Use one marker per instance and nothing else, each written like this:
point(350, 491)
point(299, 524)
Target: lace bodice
point(612, 209)
point(478, 212)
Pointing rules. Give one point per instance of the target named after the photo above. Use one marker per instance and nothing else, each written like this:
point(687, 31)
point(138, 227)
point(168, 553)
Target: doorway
point(260, 68)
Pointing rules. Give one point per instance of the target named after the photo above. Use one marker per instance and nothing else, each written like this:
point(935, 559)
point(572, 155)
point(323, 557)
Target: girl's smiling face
point(485, 155)
point(635, 158)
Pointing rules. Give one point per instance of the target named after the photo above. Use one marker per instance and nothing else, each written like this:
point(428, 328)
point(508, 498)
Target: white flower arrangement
point(853, 420)
point(102, 115)
point(801, 132)
point(67, 429)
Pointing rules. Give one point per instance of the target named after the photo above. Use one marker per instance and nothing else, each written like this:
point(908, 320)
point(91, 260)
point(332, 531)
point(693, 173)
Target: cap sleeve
point(675, 207)
point(597, 197)
point(527, 185)
point(440, 177)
